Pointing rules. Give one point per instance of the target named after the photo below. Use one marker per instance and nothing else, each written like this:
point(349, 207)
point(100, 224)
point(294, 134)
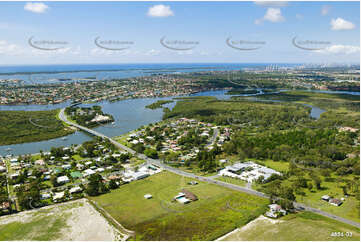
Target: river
point(129, 114)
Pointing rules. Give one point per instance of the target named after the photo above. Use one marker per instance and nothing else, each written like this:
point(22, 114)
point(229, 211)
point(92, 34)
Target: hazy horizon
point(179, 32)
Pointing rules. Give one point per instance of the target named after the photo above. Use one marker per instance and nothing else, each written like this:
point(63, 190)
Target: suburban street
point(213, 138)
point(159, 163)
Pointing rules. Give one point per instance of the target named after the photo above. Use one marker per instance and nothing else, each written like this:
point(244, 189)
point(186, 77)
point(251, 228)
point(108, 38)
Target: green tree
point(317, 181)
point(113, 184)
point(151, 153)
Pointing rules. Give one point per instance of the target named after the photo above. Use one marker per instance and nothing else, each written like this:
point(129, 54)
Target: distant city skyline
point(179, 32)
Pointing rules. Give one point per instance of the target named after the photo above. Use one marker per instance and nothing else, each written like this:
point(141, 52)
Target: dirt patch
point(83, 222)
point(254, 223)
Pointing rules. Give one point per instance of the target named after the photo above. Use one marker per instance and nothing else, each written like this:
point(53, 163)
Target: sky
point(179, 32)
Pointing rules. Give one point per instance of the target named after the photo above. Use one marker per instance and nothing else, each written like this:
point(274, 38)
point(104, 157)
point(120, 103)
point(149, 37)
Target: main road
point(158, 162)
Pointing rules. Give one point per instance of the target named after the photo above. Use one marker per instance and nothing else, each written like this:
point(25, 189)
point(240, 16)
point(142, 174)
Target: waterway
point(129, 114)
point(44, 74)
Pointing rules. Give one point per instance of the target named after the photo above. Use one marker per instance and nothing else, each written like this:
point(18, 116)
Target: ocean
point(38, 74)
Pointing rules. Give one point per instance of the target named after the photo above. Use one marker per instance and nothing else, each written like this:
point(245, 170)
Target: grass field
point(295, 227)
point(193, 168)
point(350, 209)
point(40, 228)
point(231, 180)
point(218, 210)
point(29, 126)
point(275, 165)
point(76, 220)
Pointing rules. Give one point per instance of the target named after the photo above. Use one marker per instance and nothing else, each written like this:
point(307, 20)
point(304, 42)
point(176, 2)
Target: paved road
point(63, 117)
point(213, 138)
point(212, 180)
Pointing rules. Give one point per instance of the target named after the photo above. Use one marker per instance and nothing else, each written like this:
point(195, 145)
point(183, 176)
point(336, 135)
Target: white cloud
point(36, 7)
point(273, 15)
point(340, 49)
point(105, 53)
point(160, 11)
point(152, 52)
point(325, 9)
point(66, 51)
point(341, 24)
point(9, 49)
point(101, 52)
point(272, 3)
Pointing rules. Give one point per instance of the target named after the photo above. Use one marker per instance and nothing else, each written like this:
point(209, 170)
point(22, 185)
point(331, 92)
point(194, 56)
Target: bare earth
point(235, 234)
point(83, 222)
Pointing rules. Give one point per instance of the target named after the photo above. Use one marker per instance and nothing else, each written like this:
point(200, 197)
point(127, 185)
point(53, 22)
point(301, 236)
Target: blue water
point(102, 72)
point(129, 114)
point(129, 67)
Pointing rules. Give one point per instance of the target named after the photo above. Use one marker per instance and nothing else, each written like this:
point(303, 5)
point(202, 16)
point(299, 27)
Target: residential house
point(88, 172)
point(181, 198)
point(189, 195)
point(58, 196)
point(39, 162)
point(2, 168)
point(62, 179)
point(335, 202)
point(326, 198)
point(76, 189)
point(275, 211)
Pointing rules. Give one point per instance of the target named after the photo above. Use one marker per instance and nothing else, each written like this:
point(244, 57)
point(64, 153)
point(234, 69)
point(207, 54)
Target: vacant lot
point(76, 220)
point(29, 126)
point(302, 226)
point(218, 210)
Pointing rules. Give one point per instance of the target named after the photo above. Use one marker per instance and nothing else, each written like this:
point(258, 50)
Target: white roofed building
point(62, 179)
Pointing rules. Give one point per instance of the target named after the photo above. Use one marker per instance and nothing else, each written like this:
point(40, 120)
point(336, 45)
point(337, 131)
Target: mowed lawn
point(295, 227)
point(218, 210)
